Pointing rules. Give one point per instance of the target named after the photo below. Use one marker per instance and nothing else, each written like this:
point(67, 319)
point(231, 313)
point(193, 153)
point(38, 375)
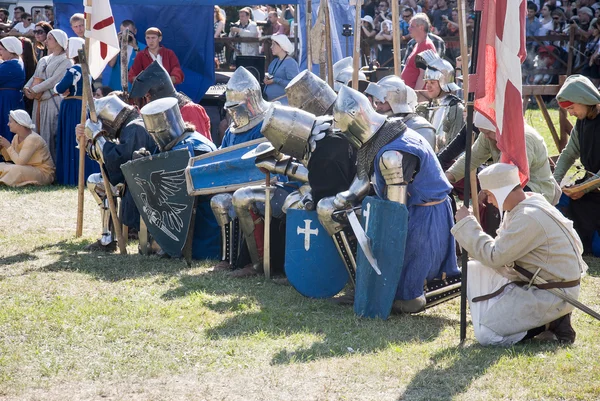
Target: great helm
point(244, 101)
point(437, 69)
point(310, 93)
point(164, 123)
point(345, 76)
point(113, 112)
point(355, 117)
point(288, 129)
point(392, 89)
point(154, 81)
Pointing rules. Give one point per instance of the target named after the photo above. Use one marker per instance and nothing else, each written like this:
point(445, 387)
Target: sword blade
point(362, 239)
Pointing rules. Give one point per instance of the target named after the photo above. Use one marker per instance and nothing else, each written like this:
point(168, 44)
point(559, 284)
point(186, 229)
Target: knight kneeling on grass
point(535, 244)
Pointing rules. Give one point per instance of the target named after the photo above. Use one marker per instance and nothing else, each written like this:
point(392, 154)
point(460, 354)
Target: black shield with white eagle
point(159, 190)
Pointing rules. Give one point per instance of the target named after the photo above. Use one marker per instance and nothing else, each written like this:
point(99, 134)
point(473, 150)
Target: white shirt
point(158, 58)
point(21, 29)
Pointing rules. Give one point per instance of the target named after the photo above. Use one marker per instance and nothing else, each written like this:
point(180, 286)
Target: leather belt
point(432, 203)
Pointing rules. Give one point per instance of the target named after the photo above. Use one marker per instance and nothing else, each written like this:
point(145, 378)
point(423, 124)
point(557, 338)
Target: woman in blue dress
point(12, 79)
point(282, 69)
point(67, 156)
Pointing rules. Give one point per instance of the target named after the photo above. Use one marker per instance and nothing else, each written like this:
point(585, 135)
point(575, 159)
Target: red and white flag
point(497, 82)
point(104, 42)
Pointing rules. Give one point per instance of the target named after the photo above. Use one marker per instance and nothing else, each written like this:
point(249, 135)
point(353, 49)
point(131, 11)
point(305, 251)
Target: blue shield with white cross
point(385, 224)
point(312, 263)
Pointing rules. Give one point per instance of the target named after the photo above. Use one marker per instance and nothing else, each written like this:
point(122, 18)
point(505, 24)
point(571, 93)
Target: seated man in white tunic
point(534, 238)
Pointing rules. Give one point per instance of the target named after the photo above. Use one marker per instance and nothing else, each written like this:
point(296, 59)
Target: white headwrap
point(75, 44)
point(21, 117)
point(284, 43)
point(481, 121)
point(60, 36)
point(12, 44)
point(500, 179)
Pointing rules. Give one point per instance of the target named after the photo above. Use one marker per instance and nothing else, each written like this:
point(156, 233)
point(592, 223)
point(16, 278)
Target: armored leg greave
point(244, 204)
point(222, 207)
point(96, 186)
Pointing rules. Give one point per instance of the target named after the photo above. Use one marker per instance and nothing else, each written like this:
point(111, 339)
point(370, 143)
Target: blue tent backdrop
point(187, 28)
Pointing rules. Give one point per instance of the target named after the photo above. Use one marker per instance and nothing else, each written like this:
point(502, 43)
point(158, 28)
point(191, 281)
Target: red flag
point(104, 43)
point(497, 83)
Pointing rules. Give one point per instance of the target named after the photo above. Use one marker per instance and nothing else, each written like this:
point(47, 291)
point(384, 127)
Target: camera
point(347, 30)
point(268, 76)
point(234, 26)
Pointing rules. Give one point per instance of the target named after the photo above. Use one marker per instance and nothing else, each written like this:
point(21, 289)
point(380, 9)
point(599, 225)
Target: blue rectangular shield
point(385, 224)
point(312, 264)
point(224, 170)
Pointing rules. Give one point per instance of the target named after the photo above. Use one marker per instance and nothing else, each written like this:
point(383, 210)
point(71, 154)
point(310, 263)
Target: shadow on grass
point(593, 265)
point(102, 266)
point(451, 371)
point(259, 307)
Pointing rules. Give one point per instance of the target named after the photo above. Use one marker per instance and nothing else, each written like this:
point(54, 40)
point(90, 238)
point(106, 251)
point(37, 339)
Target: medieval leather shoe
point(563, 330)
point(410, 306)
point(247, 271)
point(222, 266)
point(98, 247)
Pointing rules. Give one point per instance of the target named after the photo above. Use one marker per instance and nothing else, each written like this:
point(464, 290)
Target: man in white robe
point(534, 236)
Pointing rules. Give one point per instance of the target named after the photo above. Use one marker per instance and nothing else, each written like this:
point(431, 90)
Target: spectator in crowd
point(413, 6)
point(77, 22)
point(17, 13)
point(245, 28)
point(29, 60)
point(133, 47)
point(48, 73)
point(40, 32)
point(546, 23)
point(5, 24)
point(369, 8)
point(49, 11)
point(585, 15)
point(559, 22)
point(385, 56)
point(440, 16)
point(24, 27)
point(276, 26)
point(421, 41)
point(28, 152)
point(218, 29)
point(154, 51)
point(258, 14)
point(102, 91)
point(368, 32)
point(450, 28)
point(71, 87)
point(532, 24)
point(12, 79)
point(382, 13)
point(580, 98)
point(592, 53)
point(282, 69)
point(405, 16)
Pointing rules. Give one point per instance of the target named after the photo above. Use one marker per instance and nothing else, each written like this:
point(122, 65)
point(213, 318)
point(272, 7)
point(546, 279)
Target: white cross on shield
point(307, 232)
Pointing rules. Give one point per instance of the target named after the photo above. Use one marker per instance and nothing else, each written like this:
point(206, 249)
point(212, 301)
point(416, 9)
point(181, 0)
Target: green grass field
point(83, 326)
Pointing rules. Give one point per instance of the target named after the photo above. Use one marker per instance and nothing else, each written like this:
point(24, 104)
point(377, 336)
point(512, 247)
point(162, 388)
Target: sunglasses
point(556, 18)
point(28, 19)
point(39, 32)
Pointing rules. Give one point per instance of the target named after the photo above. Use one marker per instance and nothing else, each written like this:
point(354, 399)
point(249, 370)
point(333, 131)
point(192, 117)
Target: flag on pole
point(104, 43)
point(497, 83)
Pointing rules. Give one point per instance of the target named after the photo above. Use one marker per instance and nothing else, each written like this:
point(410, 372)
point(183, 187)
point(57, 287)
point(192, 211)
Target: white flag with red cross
point(104, 42)
point(497, 82)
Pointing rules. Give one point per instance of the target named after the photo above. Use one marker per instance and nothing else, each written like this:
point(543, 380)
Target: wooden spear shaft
point(328, 45)
point(308, 29)
point(356, 57)
point(396, 38)
point(81, 172)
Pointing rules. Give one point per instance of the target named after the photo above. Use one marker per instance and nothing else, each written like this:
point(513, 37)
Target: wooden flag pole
point(81, 172)
point(89, 100)
point(396, 38)
point(328, 45)
point(356, 57)
point(124, 62)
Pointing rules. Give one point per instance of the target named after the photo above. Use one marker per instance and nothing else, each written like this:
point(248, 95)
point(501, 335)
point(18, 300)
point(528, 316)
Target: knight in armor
point(444, 109)
point(119, 132)
point(164, 122)
point(393, 98)
point(342, 73)
point(403, 169)
point(155, 83)
point(246, 107)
